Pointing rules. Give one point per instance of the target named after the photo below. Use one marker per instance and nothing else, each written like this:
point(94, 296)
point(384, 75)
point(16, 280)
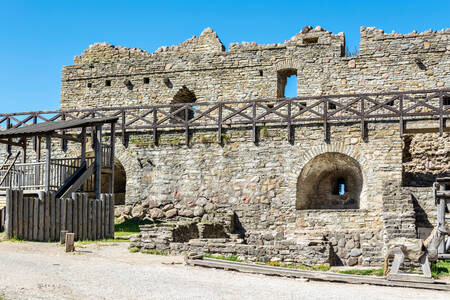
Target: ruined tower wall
point(259, 182)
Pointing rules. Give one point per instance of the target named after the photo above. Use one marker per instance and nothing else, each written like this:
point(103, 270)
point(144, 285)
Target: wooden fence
point(2, 218)
point(43, 218)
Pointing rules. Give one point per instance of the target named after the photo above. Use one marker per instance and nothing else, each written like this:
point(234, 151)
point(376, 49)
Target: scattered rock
point(168, 207)
point(198, 211)
point(352, 261)
point(355, 252)
point(186, 213)
point(156, 213)
point(138, 212)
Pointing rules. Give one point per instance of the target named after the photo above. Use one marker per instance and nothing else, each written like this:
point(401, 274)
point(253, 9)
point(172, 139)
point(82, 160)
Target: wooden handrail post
point(48, 157)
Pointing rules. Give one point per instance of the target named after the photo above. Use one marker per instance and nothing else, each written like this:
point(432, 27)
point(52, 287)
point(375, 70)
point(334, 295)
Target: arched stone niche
point(330, 180)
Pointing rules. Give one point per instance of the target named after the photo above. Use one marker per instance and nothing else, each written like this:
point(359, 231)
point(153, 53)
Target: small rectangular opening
point(446, 100)
point(331, 105)
point(390, 103)
point(310, 40)
point(261, 73)
point(89, 85)
point(108, 83)
point(303, 104)
point(146, 80)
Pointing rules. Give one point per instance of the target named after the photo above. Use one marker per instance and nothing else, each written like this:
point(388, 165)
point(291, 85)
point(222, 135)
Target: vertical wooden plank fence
point(42, 218)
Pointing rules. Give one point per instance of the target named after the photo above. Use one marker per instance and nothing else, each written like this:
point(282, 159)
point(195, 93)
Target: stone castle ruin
point(210, 146)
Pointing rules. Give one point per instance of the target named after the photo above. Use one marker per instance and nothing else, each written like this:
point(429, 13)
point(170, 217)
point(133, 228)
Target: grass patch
point(367, 272)
point(114, 240)
point(133, 249)
point(322, 268)
point(440, 269)
point(154, 252)
point(128, 227)
point(229, 258)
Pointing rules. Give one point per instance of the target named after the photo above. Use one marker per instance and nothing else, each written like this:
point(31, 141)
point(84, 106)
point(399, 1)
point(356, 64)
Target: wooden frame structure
point(400, 107)
point(65, 175)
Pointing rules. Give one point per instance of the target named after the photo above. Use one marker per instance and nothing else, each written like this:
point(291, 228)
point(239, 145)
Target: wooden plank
point(9, 212)
point(91, 219)
point(99, 219)
point(30, 218)
point(315, 275)
point(52, 203)
point(57, 217)
point(25, 219)
point(69, 219)
point(15, 213)
point(35, 219)
point(106, 219)
point(41, 216)
point(63, 214)
point(85, 216)
point(102, 213)
point(111, 215)
point(80, 217)
point(75, 215)
point(47, 216)
point(20, 214)
point(94, 219)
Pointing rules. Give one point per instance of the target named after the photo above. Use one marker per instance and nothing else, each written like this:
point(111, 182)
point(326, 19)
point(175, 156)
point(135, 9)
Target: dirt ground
point(109, 271)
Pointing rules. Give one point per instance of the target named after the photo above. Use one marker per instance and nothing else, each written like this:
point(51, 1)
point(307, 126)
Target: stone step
point(217, 241)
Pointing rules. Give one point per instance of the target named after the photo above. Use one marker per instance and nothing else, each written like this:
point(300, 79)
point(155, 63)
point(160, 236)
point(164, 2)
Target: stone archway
point(184, 95)
point(120, 182)
point(330, 180)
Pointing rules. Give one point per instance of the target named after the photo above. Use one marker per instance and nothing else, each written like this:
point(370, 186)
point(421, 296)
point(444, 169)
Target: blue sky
point(38, 37)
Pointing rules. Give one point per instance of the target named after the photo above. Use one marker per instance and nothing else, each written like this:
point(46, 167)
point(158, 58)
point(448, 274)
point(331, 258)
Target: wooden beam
point(11, 143)
point(66, 137)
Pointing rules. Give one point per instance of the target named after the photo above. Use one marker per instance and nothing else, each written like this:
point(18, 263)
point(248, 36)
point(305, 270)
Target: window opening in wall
point(331, 105)
point(446, 100)
point(89, 85)
point(311, 40)
point(184, 95)
point(287, 83)
point(390, 103)
point(146, 80)
point(261, 73)
point(108, 83)
point(339, 187)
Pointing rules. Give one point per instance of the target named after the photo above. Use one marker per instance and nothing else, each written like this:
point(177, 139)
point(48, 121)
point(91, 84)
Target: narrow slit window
point(446, 100)
point(340, 187)
point(89, 85)
point(331, 105)
point(146, 80)
point(108, 83)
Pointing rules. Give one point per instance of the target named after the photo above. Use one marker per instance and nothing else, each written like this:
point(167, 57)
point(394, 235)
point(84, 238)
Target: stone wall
point(258, 183)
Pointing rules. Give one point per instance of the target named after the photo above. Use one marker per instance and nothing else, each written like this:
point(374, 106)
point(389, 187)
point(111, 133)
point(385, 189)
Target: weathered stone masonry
point(259, 183)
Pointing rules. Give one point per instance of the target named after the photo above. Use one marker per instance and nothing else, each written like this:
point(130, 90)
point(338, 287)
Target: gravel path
point(44, 271)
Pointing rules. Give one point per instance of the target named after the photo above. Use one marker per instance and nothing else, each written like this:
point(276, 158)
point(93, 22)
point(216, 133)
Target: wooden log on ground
point(70, 239)
point(62, 237)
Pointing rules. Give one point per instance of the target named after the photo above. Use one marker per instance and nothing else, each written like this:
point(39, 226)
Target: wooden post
point(35, 219)
point(47, 225)
point(441, 216)
point(111, 158)
point(75, 215)
point(48, 156)
point(62, 237)
point(41, 201)
point(15, 213)
point(19, 214)
point(111, 215)
point(85, 216)
point(25, 219)
point(51, 199)
point(98, 161)
point(69, 215)
point(70, 238)
point(9, 212)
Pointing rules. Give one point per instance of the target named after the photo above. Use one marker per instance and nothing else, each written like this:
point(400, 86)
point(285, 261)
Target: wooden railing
point(321, 110)
point(30, 176)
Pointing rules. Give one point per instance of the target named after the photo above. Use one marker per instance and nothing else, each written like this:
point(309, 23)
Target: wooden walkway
point(313, 275)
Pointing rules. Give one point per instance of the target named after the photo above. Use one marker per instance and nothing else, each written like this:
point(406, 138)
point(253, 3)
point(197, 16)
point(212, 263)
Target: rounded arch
point(184, 95)
point(120, 182)
point(330, 180)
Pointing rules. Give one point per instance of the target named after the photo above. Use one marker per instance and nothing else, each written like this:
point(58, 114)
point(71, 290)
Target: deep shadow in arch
point(319, 178)
point(120, 182)
point(184, 95)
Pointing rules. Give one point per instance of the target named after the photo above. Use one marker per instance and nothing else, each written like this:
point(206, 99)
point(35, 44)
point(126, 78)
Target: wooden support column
point(83, 145)
point(441, 206)
point(98, 160)
point(111, 157)
point(48, 157)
